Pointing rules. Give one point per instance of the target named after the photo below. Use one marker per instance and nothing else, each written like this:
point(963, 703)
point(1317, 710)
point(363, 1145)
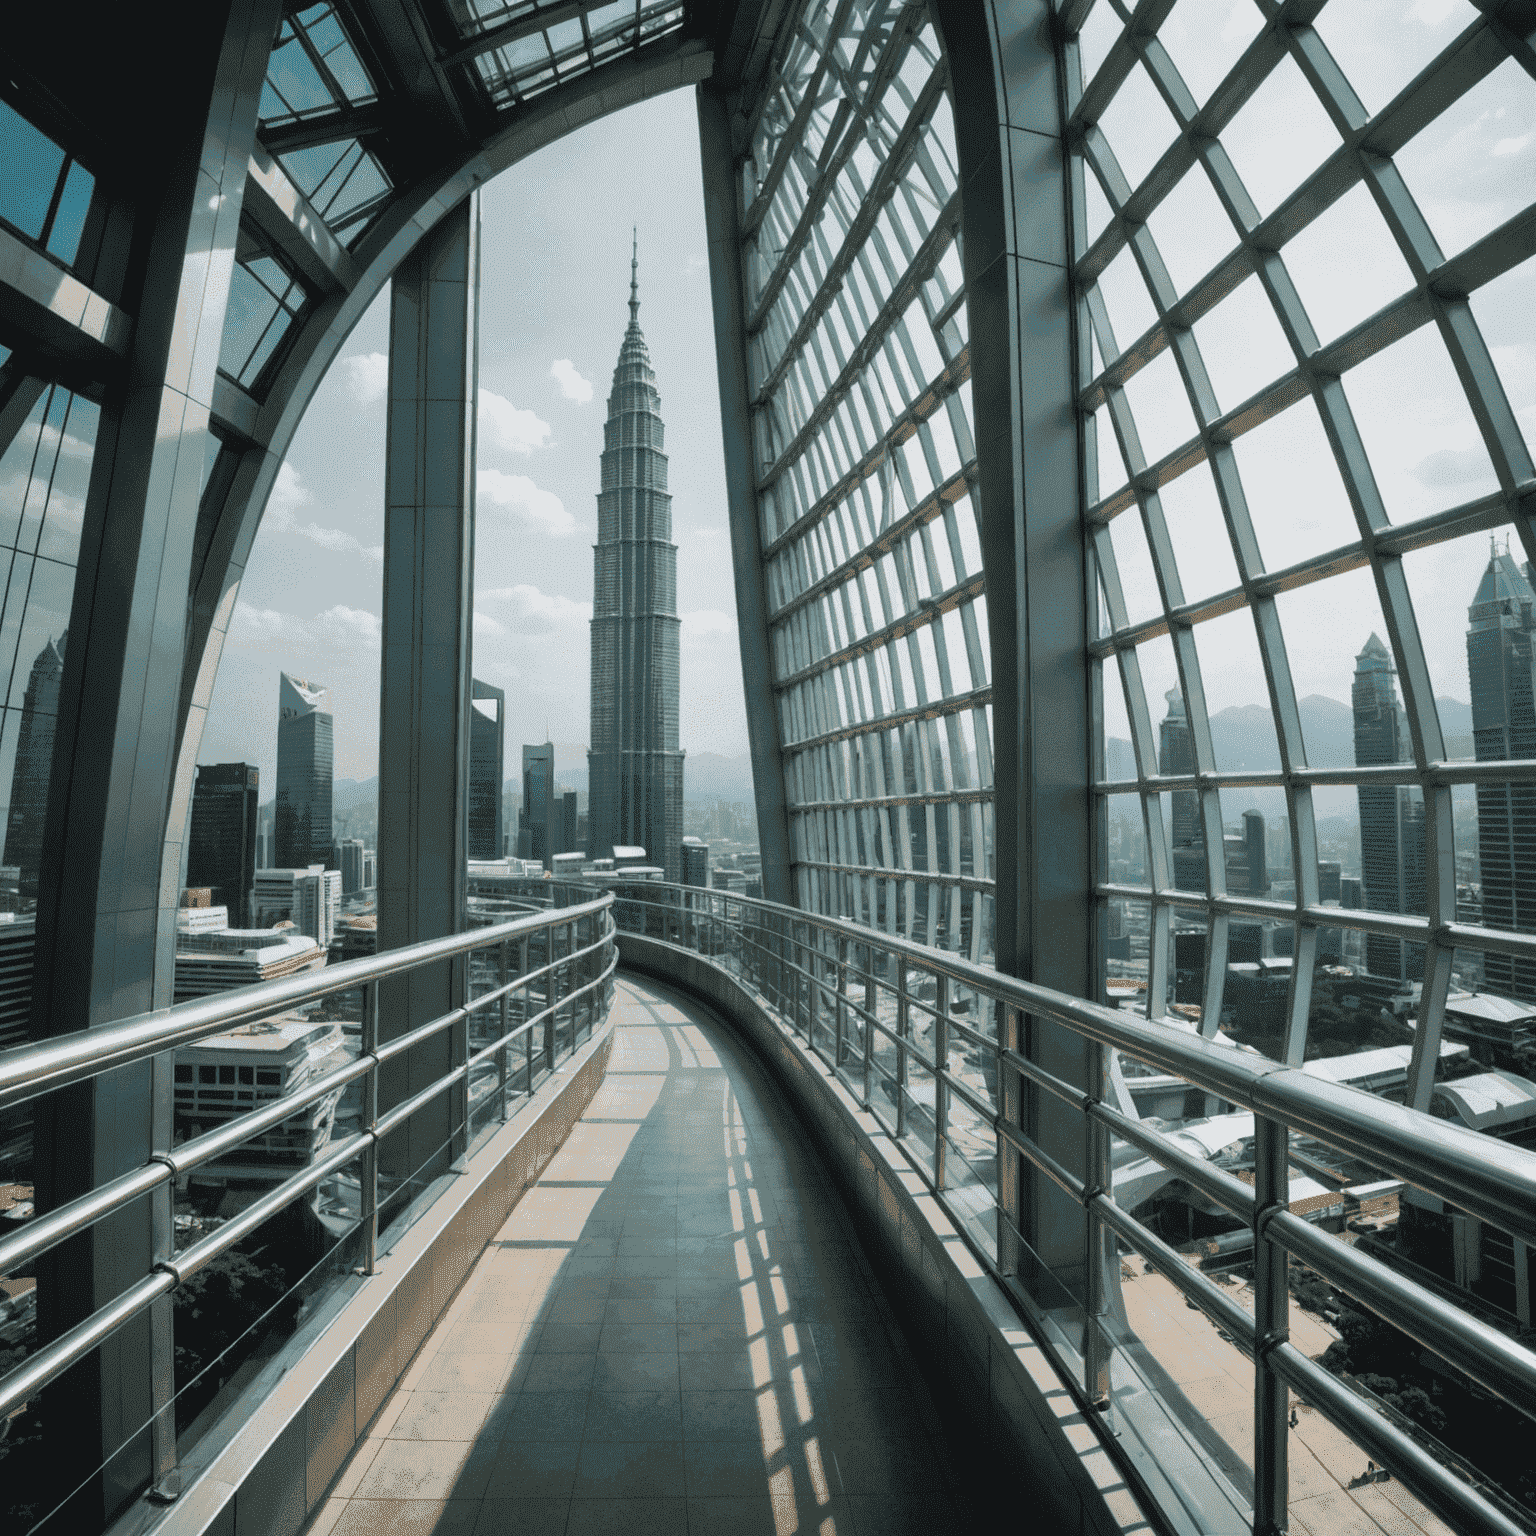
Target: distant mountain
point(1244, 739)
point(709, 776)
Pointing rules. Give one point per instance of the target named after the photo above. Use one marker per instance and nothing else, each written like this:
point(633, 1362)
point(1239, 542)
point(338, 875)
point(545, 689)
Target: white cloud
point(367, 376)
point(1451, 466)
point(529, 503)
point(509, 427)
point(572, 385)
point(530, 611)
point(337, 628)
point(1507, 147)
point(289, 494)
point(707, 624)
point(486, 628)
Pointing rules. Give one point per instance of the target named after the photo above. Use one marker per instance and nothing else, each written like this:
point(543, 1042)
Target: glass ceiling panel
point(524, 66)
point(314, 69)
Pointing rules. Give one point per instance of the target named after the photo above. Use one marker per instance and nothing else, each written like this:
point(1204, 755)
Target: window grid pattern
point(44, 473)
point(859, 368)
point(264, 300)
point(314, 70)
point(536, 57)
point(344, 183)
point(1122, 83)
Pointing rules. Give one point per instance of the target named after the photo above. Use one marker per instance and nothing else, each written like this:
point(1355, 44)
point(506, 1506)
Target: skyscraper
point(1499, 666)
point(1391, 815)
point(487, 769)
point(536, 834)
point(304, 774)
point(34, 757)
point(1176, 754)
point(221, 850)
point(635, 765)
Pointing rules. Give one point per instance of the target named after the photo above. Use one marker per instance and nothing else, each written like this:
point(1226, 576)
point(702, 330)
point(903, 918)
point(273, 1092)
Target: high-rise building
point(1391, 815)
point(221, 850)
point(1499, 668)
point(487, 768)
point(1176, 754)
point(34, 758)
point(351, 862)
point(537, 824)
point(304, 774)
point(570, 819)
point(695, 861)
point(635, 795)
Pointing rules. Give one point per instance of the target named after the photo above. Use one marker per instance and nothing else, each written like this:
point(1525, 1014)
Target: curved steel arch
point(671, 64)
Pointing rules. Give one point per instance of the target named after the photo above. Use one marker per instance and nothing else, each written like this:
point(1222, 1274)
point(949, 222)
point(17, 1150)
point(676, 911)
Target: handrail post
point(459, 1145)
point(869, 1014)
point(903, 1028)
point(1010, 1110)
point(840, 1015)
point(1097, 1179)
point(502, 978)
point(522, 1017)
point(940, 1079)
point(368, 1178)
point(551, 981)
point(1272, 1316)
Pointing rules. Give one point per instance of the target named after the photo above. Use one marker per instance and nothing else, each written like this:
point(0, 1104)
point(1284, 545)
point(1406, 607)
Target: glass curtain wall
point(859, 370)
point(1303, 245)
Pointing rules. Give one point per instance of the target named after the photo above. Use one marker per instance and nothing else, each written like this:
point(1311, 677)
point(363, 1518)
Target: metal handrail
point(29, 1070)
point(801, 959)
point(40, 1067)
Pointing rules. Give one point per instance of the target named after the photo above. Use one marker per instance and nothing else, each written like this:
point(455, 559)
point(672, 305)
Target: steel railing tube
point(1205, 1293)
point(1222, 1187)
point(1489, 1357)
point(1063, 1178)
point(29, 1070)
point(43, 1232)
point(187, 1263)
point(52, 1360)
point(1460, 1505)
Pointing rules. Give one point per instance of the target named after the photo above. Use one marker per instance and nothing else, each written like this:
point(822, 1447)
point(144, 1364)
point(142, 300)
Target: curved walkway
point(676, 1331)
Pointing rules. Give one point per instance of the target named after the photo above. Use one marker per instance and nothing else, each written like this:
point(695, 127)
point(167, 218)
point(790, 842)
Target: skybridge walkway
point(675, 1331)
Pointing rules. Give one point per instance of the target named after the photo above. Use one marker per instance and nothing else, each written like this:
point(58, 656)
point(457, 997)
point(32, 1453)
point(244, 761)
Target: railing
point(939, 1051)
point(557, 1004)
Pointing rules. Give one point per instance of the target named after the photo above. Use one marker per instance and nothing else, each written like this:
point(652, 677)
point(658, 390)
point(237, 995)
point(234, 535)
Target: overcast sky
point(556, 244)
point(555, 286)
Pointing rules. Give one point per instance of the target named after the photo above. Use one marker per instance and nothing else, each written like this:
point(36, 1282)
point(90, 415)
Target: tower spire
point(634, 278)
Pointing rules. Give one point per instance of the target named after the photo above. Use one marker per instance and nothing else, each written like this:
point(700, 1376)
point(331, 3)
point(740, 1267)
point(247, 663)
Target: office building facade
point(538, 824)
point(221, 846)
point(305, 774)
point(1501, 618)
point(34, 758)
point(1391, 815)
point(350, 863)
point(695, 861)
point(487, 769)
point(635, 766)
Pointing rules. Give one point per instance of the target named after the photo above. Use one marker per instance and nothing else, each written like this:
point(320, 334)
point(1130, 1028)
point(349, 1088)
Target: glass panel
point(1272, 165)
point(32, 164)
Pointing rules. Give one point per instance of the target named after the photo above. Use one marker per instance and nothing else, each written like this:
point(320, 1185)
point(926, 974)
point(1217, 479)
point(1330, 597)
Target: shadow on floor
point(675, 1331)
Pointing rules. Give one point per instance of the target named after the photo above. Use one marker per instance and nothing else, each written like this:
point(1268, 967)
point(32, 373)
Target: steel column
point(723, 231)
point(112, 854)
point(429, 542)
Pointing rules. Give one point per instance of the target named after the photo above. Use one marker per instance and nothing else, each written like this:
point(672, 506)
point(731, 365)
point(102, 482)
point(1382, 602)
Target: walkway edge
point(274, 1471)
point(960, 1324)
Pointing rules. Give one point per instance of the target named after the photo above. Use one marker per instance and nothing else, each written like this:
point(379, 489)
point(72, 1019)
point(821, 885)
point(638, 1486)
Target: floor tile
point(629, 1470)
point(407, 1517)
point(628, 1517)
point(533, 1469)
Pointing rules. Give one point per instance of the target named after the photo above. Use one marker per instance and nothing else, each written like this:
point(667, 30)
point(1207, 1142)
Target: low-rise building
point(239, 957)
point(236, 1072)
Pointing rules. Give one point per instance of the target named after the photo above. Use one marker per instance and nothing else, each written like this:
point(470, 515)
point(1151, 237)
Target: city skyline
point(302, 830)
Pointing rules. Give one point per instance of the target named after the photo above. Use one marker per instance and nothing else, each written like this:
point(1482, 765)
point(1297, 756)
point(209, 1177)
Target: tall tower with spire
point(1501, 668)
point(635, 779)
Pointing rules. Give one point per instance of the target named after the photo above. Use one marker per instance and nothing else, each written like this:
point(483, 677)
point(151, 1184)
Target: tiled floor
point(674, 1332)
